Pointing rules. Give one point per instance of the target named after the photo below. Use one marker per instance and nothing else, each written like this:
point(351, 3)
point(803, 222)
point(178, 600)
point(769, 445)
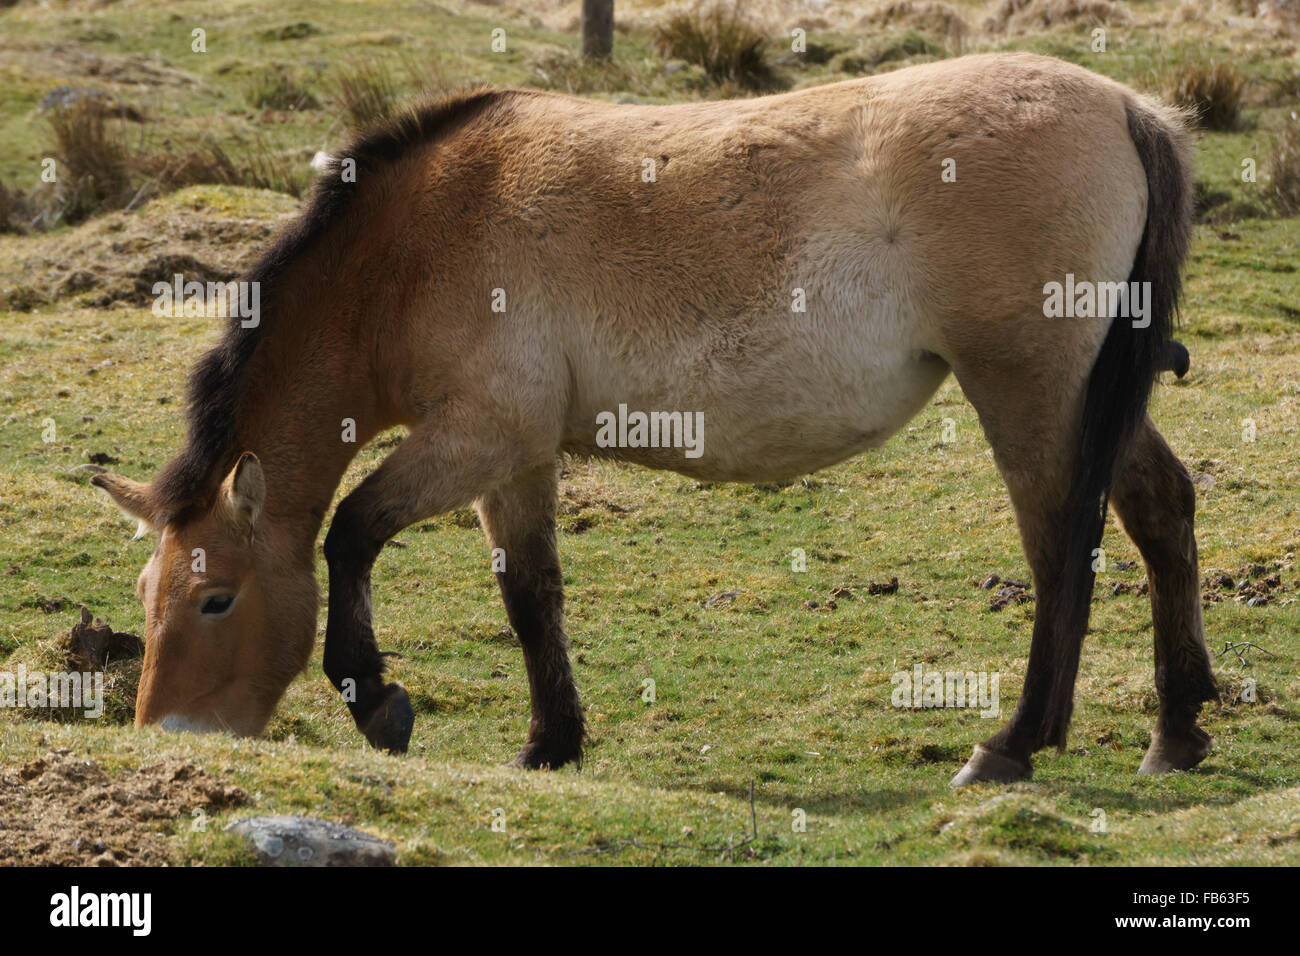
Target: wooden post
point(597, 29)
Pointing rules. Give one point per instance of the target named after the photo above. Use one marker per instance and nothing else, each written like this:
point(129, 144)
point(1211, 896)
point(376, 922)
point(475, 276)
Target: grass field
point(761, 688)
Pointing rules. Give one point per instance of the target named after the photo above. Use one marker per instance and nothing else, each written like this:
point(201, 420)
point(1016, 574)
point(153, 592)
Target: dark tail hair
point(1115, 404)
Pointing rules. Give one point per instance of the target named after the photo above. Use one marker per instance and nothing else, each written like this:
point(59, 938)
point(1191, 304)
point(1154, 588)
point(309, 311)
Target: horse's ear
point(133, 498)
point(244, 489)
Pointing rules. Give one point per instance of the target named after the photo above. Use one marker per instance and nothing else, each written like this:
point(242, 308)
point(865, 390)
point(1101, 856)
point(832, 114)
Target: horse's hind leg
point(1031, 423)
point(1155, 500)
point(433, 471)
point(519, 519)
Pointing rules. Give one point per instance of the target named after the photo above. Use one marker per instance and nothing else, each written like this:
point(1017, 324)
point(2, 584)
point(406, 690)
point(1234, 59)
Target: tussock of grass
point(1212, 91)
point(367, 93)
point(92, 148)
point(175, 170)
point(262, 167)
point(280, 89)
point(1284, 168)
point(101, 171)
point(720, 38)
point(12, 209)
point(257, 166)
point(370, 91)
point(569, 73)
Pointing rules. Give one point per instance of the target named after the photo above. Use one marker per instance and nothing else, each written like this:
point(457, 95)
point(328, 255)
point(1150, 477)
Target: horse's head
point(229, 617)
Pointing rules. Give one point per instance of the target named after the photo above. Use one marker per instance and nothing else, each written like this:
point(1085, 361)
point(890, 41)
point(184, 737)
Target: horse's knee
point(348, 543)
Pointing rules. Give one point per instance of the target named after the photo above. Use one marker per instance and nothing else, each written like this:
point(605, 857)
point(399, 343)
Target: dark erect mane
point(188, 482)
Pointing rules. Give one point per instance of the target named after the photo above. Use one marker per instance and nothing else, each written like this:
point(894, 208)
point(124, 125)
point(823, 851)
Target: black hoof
point(988, 766)
point(1176, 752)
point(540, 755)
point(389, 727)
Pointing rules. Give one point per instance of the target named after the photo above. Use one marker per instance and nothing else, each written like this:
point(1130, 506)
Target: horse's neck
point(306, 409)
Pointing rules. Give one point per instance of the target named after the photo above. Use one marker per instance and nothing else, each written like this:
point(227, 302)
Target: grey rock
point(307, 841)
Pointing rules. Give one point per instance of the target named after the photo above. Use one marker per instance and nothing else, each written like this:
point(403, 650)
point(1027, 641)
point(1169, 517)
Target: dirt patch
point(1254, 585)
point(60, 810)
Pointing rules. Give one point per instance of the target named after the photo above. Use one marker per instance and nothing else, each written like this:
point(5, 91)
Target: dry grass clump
point(280, 89)
point(369, 91)
point(98, 170)
point(192, 167)
point(1284, 168)
point(13, 210)
point(211, 165)
point(721, 39)
point(1212, 91)
point(94, 160)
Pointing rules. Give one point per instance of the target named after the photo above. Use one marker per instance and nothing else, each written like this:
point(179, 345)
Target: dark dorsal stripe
point(187, 484)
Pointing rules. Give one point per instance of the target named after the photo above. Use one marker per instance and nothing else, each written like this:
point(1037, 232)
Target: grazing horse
point(503, 271)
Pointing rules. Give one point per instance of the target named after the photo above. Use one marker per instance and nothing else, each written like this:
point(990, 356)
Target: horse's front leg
point(353, 662)
point(428, 474)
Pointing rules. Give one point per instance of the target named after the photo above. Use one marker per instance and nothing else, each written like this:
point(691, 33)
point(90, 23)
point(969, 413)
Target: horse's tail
point(1136, 349)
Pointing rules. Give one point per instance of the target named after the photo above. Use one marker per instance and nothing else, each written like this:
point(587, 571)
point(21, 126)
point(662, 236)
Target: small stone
point(307, 841)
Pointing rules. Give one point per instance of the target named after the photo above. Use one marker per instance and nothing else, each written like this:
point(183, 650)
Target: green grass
point(796, 700)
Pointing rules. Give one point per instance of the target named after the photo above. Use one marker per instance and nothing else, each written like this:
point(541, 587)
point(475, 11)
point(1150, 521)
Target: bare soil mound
point(59, 810)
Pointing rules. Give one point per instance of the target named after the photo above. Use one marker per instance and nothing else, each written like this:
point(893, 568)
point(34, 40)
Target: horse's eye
point(217, 604)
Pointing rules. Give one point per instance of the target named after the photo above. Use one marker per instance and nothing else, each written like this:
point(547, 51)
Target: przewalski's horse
point(652, 256)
